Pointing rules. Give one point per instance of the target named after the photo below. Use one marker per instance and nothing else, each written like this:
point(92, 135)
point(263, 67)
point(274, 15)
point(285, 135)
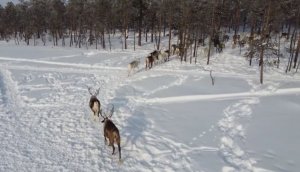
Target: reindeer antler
point(91, 92)
point(89, 89)
point(112, 111)
point(109, 113)
point(97, 92)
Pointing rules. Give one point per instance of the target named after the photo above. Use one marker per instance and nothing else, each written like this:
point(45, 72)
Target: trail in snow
point(159, 69)
point(179, 99)
point(9, 90)
point(234, 129)
point(154, 151)
point(61, 63)
point(53, 131)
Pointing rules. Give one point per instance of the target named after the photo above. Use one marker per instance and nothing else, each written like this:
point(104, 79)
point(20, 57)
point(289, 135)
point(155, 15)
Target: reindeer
point(242, 43)
point(164, 56)
point(111, 132)
point(155, 54)
point(149, 62)
point(225, 38)
point(95, 104)
point(175, 49)
point(204, 51)
point(132, 65)
point(236, 38)
point(217, 44)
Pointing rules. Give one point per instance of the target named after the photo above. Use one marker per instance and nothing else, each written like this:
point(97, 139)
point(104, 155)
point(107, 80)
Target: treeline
point(88, 21)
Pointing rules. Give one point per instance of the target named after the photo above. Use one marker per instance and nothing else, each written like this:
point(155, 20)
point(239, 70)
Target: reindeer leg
point(119, 147)
point(113, 149)
point(94, 117)
point(111, 143)
point(105, 141)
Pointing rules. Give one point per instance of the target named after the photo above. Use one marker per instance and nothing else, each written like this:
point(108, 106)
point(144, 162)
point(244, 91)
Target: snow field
point(170, 118)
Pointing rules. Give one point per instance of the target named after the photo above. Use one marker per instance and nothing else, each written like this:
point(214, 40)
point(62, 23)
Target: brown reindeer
point(149, 62)
point(94, 103)
point(111, 132)
point(236, 38)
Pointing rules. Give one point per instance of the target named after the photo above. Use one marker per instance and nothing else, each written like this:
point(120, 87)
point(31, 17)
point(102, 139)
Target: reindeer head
point(107, 115)
point(95, 93)
point(94, 103)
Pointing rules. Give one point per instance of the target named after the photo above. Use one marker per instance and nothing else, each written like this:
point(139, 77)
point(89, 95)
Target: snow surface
point(170, 118)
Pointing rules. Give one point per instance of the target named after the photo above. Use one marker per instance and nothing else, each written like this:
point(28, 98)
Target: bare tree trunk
point(262, 64)
point(191, 53)
point(229, 26)
point(195, 50)
point(186, 45)
point(146, 35)
point(237, 18)
point(103, 39)
point(289, 30)
point(63, 41)
point(245, 23)
point(152, 30)
point(125, 38)
point(292, 45)
point(109, 41)
point(140, 22)
point(278, 53)
point(298, 44)
point(165, 26)
point(16, 39)
point(264, 30)
point(297, 53)
point(170, 36)
point(212, 32)
point(195, 45)
point(159, 32)
point(56, 38)
point(96, 40)
point(53, 39)
point(133, 39)
point(298, 66)
point(182, 44)
point(91, 36)
point(251, 41)
point(79, 40)
point(122, 42)
point(34, 40)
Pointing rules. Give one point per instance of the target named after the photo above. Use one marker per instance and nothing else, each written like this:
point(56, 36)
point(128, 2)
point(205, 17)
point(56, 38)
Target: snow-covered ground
point(170, 118)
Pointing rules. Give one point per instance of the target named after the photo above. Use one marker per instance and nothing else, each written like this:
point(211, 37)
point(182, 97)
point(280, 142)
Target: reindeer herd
point(218, 40)
point(154, 58)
